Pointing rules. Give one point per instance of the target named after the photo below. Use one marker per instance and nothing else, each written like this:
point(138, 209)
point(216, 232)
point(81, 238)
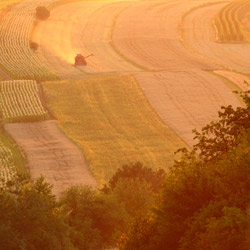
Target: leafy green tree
point(137, 170)
point(42, 13)
point(217, 138)
point(94, 217)
point(28, 214)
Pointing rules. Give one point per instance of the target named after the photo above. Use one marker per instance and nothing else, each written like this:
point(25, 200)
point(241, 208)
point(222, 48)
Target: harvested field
point(111, 120)
point(188, 101)
point(147, 33)
point(242, 81)
point(51, 154)
point(139, 38)
point(78, 30)
point(199, 35)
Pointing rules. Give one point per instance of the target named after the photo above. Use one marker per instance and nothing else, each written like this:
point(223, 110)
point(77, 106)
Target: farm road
point(141, 38)
point(51, 154)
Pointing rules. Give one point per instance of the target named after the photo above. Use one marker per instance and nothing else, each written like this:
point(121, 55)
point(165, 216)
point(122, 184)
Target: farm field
point(20, 101)
point(156, 73)
point(6, 3)
point(199, 36)
point(12, 159)
point(17, 58)
point(231, 22)
point(110, 119)
point(51, 154)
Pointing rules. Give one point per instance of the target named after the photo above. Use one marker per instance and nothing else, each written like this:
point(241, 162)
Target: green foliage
point(33, 46)
point(135, 194)
point(154, 178)
point(217, 138)
point(94, 217)
point(42, 13)
point(29, 218)
point(216, 227)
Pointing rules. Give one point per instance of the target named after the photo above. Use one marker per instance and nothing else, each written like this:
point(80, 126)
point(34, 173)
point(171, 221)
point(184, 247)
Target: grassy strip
point(109, 118)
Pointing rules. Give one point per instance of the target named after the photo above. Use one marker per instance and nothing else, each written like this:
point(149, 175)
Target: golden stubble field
point(111, 120)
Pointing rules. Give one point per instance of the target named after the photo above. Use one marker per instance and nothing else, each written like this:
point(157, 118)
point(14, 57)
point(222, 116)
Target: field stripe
point(50, 153)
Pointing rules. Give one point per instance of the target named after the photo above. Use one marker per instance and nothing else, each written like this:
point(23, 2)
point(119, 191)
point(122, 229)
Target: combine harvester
point(80, 60)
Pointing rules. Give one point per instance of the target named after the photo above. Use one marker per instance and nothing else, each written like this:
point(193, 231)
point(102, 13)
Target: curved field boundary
point(186, 101)
point(50, 153)
point(72, 34)
point(16, 57)
point(230, 22)
point(147, 34)
point(198, 35)
point(242, 81)
point(112, 121)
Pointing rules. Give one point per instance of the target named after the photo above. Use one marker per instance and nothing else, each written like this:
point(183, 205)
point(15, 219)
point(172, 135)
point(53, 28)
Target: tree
point(42, 13)
point(154, 178)
point(29, 218)
point(93, 217)
point(217, 138)
point(33, 46)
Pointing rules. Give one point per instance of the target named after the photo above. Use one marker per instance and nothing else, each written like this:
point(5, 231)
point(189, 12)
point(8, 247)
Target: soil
point(51, 154)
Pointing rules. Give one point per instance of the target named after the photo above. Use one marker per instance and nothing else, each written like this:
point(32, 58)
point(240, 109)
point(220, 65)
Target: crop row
point(7, 168)
point(20, 101)
point(16, 56)
point(231, 22)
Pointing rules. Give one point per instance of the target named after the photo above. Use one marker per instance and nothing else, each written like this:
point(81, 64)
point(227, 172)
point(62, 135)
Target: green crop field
point(20, 101)
point(16, 57)
point(12, 159)
point(111, 120)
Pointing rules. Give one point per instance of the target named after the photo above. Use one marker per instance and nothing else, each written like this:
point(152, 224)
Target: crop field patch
point(111, 120)
point(7, 167)
point(20, 101)
point(231, 22)
point(16, 57)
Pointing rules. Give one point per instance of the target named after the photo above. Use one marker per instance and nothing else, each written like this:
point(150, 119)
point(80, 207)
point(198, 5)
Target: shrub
point(42, 13)
point(33, 46)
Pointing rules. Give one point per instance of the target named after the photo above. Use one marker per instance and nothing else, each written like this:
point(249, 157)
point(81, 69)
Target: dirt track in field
point(51, 154)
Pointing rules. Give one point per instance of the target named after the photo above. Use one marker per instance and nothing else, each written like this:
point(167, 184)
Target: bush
point(42, 13)
point(33, 46)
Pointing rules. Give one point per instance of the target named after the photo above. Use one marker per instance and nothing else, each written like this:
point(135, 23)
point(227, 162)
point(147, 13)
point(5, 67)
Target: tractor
point(80, 60)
